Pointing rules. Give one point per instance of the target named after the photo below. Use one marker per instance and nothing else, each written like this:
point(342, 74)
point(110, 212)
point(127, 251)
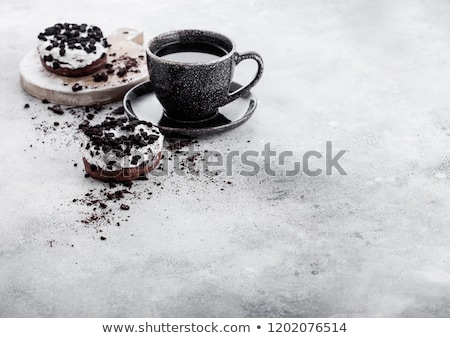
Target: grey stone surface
point(370, 76)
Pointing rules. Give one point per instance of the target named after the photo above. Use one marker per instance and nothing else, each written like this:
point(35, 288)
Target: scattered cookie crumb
point(77, 87)
point(56, 109)
point(100, 77)
point(119, 111)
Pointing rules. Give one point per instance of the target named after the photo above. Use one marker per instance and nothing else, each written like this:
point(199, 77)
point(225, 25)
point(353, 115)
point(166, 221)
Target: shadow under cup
point(192, 70)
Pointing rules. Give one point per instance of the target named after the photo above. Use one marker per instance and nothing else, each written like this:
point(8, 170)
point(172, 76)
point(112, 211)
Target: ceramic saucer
point(141, 102)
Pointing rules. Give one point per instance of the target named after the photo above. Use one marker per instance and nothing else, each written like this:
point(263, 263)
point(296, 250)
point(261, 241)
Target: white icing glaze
point(73, 58)
point(148, 153)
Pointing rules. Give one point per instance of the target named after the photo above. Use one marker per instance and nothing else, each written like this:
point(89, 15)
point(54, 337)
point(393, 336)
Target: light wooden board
point(125, 44)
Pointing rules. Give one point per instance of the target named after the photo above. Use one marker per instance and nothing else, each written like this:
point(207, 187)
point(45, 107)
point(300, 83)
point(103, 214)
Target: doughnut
point(72, 50)
point(119, 149)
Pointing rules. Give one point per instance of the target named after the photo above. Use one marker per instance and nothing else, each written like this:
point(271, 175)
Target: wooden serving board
point(126, 50)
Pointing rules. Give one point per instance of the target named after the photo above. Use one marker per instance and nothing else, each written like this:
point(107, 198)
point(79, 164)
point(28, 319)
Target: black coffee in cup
point(191, 52)
point(192, 70)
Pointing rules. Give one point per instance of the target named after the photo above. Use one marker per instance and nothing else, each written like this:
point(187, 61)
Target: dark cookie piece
point(76, 87)
point(119, 111)
point(122, 72)
point(56, 109)
point(100, 77)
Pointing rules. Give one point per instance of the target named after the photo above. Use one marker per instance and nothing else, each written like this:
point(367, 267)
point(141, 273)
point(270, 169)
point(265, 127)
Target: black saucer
point(141, 102)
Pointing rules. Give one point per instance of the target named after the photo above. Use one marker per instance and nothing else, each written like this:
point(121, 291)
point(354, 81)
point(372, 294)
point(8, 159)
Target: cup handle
point(243, 90)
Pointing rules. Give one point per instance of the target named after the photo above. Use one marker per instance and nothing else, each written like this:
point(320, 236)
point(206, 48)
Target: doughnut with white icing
point(119, 149)
point(72, 50)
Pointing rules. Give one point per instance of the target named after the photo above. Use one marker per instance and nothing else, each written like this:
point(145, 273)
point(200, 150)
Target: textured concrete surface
point(370, 76)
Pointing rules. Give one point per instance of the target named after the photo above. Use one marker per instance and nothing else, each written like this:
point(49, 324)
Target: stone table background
point(373, 77)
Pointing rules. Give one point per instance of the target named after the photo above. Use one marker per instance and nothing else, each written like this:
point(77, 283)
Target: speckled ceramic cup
point(189, 87)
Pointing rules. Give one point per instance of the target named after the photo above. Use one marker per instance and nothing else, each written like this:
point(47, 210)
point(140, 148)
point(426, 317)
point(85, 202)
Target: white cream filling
point(147, 153)
point(73, 58)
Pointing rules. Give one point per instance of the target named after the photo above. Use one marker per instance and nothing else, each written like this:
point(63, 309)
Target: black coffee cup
point(192, 70)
